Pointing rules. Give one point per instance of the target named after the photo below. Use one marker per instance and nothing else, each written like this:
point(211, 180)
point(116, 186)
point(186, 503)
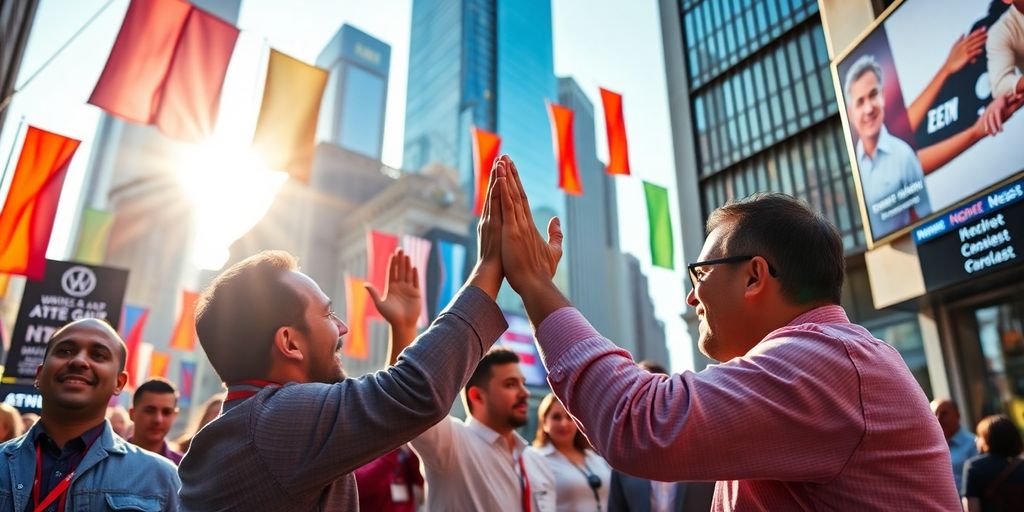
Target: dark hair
point(805, 249)
point(482, 375)
point(652, 367)
point(103, 325)
point(1000, 436)
point(541, 438)
point(238, 315)
point(155, 385)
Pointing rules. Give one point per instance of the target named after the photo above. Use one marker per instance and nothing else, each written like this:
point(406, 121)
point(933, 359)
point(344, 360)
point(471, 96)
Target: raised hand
point(402, 300)
point(527, 258)
point(997, 112)
point(966, 50)
point(489, 272)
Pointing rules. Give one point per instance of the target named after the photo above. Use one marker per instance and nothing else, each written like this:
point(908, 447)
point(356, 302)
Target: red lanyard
point(526, 485)
point(241, 394)
point(61, 489)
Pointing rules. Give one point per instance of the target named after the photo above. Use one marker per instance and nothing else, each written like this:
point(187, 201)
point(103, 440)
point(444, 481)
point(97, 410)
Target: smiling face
point(322, 333)
point(504, 398)
point(82, 369)
point(867, 106)
point(558, 425)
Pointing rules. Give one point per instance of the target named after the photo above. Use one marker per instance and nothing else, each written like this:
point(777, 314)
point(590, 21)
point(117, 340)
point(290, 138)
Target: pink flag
point(378, 247)
point(418, 250)
point(167, 67)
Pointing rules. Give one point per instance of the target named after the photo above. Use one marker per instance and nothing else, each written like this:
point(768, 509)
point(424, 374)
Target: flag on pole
point(615, 124)
point(158, 364)
point(418, 250)
point(132, 325)
point(378, 247)
point(356, 298)
point(660, 225)
point(485, 152)
point(565, 149)
point(452, 262)
point(184, 337)
point(167, 68)
point(31, 205)
point(92, 239)
point(186, 381)
point(286, 129)
point(144, 360)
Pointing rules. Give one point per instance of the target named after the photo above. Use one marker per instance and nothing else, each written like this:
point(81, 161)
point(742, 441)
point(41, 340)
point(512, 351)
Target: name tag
point(399, 493)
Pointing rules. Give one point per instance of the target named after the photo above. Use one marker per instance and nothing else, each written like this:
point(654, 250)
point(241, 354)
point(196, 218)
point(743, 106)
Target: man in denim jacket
point(84, 466)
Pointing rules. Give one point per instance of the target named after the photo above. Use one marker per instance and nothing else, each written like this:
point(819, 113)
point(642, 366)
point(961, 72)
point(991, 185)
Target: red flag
point(27, 217)
point(134, 322)
point(418, 250)
point(378, 247)
point(485, 151)
point(356, 346)
point(167, 67)
point(565, 149)
point(184, 337)
point(618, 149)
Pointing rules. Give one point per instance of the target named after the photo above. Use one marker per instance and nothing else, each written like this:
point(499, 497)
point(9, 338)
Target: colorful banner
point(286, 129)
point(184, 337)
point(143, 361)
point(186, 382)
point(485, 151)
point(131, 331)
point(158, 363)
point(615, 125)
point(565, 149)
point(357, 300)
point(93, 236)
point(418, 250)
point(379, 246)
point(452, 263)
point(31, 205)
point(660, 221)
point(167, 68)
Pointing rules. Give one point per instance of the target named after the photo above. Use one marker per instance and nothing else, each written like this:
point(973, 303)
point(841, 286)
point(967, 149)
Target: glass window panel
point(773, 12)
point(780, 63)
point(744, 132)
point(757, 80)
point(727, 96)
point(690, 32)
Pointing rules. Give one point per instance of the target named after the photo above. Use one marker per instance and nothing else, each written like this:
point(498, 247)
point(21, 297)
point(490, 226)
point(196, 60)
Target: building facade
point(753, 108)
point(354, 101)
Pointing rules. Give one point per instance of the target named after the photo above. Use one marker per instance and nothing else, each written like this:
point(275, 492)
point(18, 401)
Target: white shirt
point(571, 487)
point(1005, 50)
point(468, 467)
point(663, 496)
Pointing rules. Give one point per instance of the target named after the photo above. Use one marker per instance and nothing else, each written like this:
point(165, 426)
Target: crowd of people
point(805, 411)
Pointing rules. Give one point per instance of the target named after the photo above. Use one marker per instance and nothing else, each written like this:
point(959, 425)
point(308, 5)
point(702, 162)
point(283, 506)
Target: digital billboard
point(929, 97)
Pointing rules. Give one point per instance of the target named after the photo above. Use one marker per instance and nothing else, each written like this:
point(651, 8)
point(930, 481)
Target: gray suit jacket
point(295, 447)
point(632, 494)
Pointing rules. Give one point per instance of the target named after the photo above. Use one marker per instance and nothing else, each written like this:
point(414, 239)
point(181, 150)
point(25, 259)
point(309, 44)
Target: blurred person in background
point(10, 423)
point(210, 409)
point(994, 480)
point(154, 409)
point(581, 475)
point(120, 421)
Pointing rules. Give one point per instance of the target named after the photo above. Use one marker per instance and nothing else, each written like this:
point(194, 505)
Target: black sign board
point(69, 291)
point(982, 237)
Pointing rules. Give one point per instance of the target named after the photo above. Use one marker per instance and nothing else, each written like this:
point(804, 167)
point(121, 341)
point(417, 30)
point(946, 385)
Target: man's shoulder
point(139, 457)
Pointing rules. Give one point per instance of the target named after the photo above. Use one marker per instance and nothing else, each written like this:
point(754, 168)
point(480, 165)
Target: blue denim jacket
point(114, 475)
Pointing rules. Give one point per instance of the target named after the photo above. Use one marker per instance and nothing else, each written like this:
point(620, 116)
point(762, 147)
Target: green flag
point(661, 225)
point(92, 240)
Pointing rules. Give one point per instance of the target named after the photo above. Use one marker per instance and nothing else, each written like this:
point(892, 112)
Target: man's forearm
point(401, 337)
point(487, 278)
point(542, 299)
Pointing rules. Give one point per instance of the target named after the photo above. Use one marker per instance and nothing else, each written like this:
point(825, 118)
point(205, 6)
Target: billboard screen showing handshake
point(930, 96)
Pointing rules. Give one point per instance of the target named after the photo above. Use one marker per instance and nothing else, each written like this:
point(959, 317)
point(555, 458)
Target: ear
point(131, 414)
point(474, 394)
point(758, 277)
point(122, 379)
point(287, 344)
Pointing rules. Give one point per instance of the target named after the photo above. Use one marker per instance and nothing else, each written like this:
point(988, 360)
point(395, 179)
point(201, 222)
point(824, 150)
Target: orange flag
point(184, 337)
point(357, 345)
point(167, 68)
point(379, 246)
point(158, 364)
point(565, 149)
point(286, 129)
point(27, 217)
point(618, 149)
point(485, 151)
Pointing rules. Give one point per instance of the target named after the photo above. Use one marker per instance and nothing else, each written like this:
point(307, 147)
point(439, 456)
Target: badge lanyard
point(61, 489)
point(526, 484)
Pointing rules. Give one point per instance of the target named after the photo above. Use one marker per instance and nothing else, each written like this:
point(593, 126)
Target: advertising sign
point(68, 292)
point(930, 99)
point(519, 339)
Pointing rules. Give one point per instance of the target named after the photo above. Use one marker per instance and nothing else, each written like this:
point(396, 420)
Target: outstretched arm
point(964, 51)
point(401, 302)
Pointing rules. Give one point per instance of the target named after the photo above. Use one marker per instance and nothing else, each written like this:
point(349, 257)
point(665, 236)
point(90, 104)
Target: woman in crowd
point(210, 411)
point(581, 475)
point(10, 423)
point(994, 480)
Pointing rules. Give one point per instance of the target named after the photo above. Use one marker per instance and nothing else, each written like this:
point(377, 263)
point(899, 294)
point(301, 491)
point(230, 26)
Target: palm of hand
point(402, 302)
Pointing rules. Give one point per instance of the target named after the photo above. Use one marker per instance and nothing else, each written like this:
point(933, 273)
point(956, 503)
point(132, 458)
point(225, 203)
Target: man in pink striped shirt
point(806, 411)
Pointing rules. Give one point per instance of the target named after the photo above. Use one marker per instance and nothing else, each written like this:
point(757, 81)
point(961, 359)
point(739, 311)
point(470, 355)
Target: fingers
point(374, 294)
point(406, 273)
point(493, 204)
point(415, 278)
point(522, 204)
point(555, 236)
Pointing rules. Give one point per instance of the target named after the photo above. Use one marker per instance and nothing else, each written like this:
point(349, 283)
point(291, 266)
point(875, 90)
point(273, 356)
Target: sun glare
point(231, 188)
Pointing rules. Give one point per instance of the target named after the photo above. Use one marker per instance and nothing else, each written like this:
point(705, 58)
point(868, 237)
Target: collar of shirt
point(491, 437)
point(831, 314)
point(885, 145)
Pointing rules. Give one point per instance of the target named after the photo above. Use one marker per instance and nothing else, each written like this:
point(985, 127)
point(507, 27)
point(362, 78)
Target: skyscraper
point(352, 112)
point(471, 64)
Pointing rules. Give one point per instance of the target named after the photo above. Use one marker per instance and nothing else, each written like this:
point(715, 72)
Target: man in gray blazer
point(293, 427)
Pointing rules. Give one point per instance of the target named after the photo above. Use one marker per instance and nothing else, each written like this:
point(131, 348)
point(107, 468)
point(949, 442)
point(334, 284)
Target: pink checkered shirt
point(819, 415)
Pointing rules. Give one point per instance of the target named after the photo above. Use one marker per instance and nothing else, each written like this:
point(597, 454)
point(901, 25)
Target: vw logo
point(78, 281)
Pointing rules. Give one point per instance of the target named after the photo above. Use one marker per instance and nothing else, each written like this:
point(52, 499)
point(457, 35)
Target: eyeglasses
point(697, 275)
